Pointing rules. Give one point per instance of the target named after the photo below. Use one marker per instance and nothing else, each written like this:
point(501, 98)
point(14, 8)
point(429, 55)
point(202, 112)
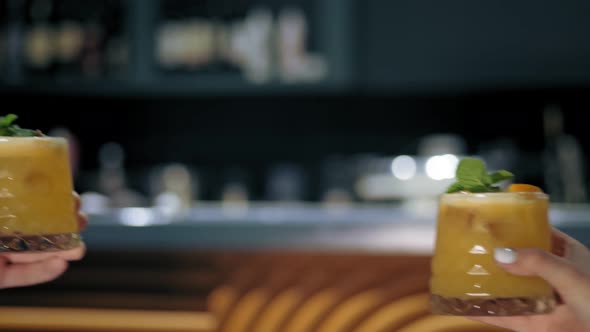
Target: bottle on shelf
point(235, 193)
point(337, 174)
point(112, 178)
point(564, 161)
point(174, 188)
point(286, 183)
point(39, 50)
point(295, 63)
point(251, 43)
point(258, 44)
point(69, 40)
point(185, 44)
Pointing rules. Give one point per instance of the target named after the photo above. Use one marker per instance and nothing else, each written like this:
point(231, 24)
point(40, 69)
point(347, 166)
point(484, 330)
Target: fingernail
point(505, 255)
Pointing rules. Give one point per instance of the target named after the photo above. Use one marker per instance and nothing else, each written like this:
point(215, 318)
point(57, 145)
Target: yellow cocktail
point(465, 278)
point(36, 203)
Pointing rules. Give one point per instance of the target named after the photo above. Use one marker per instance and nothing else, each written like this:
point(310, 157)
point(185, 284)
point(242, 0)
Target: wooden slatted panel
point(95, 320)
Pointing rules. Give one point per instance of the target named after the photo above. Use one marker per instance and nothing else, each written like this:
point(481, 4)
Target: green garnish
point(8, 128)
point(472, 176)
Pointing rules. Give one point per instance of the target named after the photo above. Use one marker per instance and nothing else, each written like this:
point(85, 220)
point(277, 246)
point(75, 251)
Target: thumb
point(558, 272)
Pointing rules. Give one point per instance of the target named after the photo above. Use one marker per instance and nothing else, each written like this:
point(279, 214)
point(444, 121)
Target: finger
point(573, 250)
point(25, 258)
point(82, 217)
point(558, 243)
point(558, 272)
point(18, 275)
point(82, 221)
point(74, 254)
point(77, 201)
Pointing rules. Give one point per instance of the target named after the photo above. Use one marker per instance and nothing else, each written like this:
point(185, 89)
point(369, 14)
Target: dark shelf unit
point(375, 48)
point(333, 30)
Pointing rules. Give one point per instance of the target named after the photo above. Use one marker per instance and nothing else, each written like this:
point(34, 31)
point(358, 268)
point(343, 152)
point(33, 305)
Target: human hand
point(25, 269)
point(567, 270)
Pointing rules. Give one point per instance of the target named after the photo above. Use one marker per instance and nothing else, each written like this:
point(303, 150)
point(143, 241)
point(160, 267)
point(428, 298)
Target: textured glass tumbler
point(37, 208)
point(465, 279)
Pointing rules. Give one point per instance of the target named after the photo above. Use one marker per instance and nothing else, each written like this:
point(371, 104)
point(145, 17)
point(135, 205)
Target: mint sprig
point(472, 176)
point(8, 128)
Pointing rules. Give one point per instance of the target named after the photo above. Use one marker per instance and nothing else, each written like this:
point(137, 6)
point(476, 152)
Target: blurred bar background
point(226, 146)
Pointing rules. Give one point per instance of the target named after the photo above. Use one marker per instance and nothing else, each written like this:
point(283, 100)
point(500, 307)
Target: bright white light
point(442, 167)
point(403, 167)
point(452, 160)
point(433, 168)
point(136, 217)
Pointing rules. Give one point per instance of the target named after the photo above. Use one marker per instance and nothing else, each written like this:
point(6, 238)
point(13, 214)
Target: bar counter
point(401, 228)
point(264, 267)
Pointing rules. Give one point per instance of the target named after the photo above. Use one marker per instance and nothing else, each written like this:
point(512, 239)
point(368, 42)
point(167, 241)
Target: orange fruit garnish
point(523, 188)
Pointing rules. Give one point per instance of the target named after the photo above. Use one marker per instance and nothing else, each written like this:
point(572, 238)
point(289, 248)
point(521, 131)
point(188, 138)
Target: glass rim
point(527, 194)
point(11, 138)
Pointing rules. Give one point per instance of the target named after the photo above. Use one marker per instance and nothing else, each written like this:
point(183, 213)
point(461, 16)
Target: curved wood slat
point(284, 305)
point(99, 320)
point(278, 311)
point(352, 311)
point(245, 312)
point(392, 316)
point(246, 309)
point(312, 310)
point(244, 278)
point(300, 292)
point(221, 299)
point(448, 324)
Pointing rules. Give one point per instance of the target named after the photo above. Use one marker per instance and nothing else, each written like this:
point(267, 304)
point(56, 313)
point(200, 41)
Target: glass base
point(39, 243)
point(492, 307)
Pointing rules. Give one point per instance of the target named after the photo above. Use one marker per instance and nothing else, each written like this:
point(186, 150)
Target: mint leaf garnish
point(471, 172)
point(472, 176)
point(455, 187)
point(6, 121)
point(8, 128)
point(501, 176)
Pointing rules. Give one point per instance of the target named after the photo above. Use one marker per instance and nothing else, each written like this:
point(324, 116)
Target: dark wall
point(254, 133)
point(458, 44)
